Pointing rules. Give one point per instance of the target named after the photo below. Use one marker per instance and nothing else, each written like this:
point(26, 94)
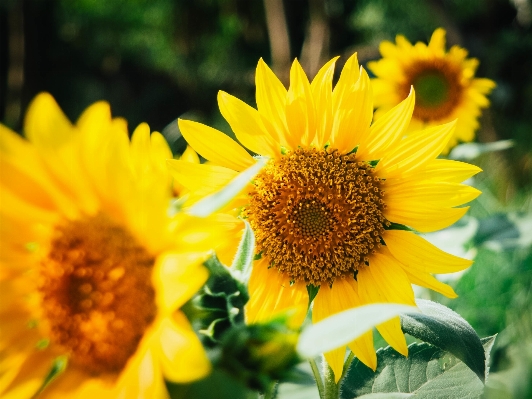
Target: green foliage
point(496, 283)
point(259, 354)
point(445, 329)
point(428, 372)
point(218, 382)
point(222, 302)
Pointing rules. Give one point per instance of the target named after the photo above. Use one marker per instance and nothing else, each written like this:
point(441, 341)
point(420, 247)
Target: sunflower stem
point(317, 377)
point(331, 388)
point(271, 392)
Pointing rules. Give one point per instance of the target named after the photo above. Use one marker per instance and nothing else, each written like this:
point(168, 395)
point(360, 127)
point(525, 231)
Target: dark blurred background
point(156, 60)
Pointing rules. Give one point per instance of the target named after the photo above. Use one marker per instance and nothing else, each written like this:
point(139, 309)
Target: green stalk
point(317, 377)
point(331, 388)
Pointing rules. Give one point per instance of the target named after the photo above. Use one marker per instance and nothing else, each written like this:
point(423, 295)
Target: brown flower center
point(317, 215)
point(96, 292)
point(438, 88)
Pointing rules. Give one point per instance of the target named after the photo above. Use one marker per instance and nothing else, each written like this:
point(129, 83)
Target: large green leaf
point(343, 327)
point(440, 326)
point(428, 372)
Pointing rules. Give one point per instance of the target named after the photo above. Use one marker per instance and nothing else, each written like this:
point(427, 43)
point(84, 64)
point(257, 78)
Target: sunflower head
point(444, 81)
point(93, 270)
point(338, 204)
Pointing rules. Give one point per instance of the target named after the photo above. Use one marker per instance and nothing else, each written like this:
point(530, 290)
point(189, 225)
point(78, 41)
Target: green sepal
point(397, 226)
point(221, 301)
point(312, 292)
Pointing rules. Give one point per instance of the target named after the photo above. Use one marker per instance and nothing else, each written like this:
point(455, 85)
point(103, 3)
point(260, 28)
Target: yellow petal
point(384, 281)
point(387, 130)
point(140, 146)
point(28, 375)
point(25, 175)
point(329, 301)
point(393, 334)
point(142, 377)
point(74, 382)
point(183, 358)
point(215, 146)
point(415, 150)
point(408, 193)
point(388, 49)
point(384, 278)
point(13, 205)
point(200, 178)
point(300, 109)
point(437, 41)
point(189, 155)
point(272, 295)
point(423, 218)
point(363, 347)
point(428, 281)
point(353, 116)
point(417, 254)
point(447, 170)
point(46, 125)
point(160, 150)
point(247, 124)
point(348, 77)
point(271, 100)
point(95, 120)
point(179, 276)
point(32, 187)
point(321, 87)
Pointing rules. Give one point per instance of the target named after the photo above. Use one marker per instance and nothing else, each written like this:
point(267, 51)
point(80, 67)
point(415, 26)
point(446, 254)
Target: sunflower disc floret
point(317, 215)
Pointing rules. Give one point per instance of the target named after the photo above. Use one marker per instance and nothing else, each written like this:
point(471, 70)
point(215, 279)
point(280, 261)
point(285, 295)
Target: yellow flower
point(326, 208)
point(93, 270)
point(445, 84)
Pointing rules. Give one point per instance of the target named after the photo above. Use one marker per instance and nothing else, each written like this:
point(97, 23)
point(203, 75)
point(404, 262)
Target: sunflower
point(93, 270)
point(331, 206)
point(445, 84)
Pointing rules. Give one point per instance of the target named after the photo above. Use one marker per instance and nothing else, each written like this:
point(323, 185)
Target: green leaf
point(428, 372)
point(343, 327)
point(219, 199)
point(245, 253)
point(440, 326)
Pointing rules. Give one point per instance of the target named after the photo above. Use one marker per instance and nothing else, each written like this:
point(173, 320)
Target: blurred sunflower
point(328, 208)
point(445, 84)
point(93, 270)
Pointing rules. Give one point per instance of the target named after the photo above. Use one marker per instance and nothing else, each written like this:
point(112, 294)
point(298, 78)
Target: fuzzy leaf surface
point(440, 326)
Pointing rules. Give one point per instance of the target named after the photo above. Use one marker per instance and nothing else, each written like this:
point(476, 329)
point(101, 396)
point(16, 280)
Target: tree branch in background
point(15, 71)
point(316, 45)
point(279, 40)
